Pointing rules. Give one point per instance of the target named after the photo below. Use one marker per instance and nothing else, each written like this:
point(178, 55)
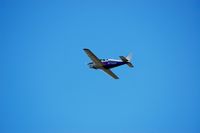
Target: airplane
point(107, 64)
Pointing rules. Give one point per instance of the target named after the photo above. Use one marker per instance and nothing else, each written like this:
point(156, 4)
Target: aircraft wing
point(99, 63)
point(108, 71)
point(93, 57)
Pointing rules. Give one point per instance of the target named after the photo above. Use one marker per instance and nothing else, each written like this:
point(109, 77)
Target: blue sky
point(46, 86)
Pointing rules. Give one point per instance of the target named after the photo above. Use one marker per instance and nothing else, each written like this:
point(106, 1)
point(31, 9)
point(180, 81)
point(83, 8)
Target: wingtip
point(85, 49)
point(116, 77)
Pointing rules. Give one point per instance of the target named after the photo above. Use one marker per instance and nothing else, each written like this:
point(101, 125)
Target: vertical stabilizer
point(129, 57)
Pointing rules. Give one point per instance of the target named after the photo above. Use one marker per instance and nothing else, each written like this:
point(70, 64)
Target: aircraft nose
point(90, 65)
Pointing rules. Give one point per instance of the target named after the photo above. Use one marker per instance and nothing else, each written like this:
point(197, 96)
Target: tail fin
point(127, 60)
point(129, 57)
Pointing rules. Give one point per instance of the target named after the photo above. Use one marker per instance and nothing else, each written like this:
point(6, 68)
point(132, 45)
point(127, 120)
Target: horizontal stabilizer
point(130, 64)
point(123, 58)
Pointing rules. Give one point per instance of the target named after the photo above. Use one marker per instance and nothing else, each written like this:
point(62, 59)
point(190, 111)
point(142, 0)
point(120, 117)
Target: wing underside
point(93, 57)
point(108, 71)
point(96, 60)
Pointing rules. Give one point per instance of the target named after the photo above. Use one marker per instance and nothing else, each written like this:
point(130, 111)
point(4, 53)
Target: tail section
point(127, 60)
point(129, 57)
point(130, 64)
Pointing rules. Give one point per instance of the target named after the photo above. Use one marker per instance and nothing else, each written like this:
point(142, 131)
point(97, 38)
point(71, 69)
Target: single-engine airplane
point(107, 64)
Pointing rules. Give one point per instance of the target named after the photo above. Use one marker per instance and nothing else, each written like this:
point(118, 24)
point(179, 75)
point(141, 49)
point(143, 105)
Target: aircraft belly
point(112, 65)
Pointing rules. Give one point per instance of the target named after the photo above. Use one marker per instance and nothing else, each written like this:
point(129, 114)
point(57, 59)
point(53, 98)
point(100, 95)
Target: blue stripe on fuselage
point(112, 64)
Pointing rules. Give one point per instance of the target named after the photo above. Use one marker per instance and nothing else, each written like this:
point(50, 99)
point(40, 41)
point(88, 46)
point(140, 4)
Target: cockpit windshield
point(103, 59)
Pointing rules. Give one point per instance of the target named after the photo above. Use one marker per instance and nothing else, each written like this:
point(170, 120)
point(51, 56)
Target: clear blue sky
point(46, 86)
